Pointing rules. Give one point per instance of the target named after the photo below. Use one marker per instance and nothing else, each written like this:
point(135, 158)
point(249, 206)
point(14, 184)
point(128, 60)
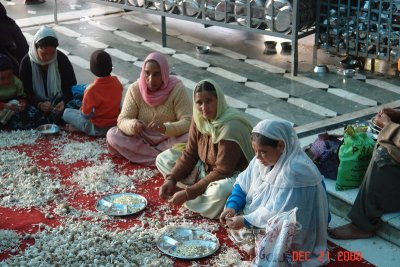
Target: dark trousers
point(379, 192)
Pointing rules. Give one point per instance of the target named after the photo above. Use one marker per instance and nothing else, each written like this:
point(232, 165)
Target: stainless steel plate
point(349, 73)
point(48, 129)
point(187, 243)
point(203, 49)
point(374, 126)
point(374, 129)
point(121, 204)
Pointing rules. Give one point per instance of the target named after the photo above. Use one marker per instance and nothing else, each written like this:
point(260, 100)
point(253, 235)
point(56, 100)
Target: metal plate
point(374, 126)
point(187, 243)
point(48, 129)
point(374, 129)
point(121, 204)
point(349, 73)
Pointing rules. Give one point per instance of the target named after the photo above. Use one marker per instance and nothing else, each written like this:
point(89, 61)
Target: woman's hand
point(235, 222)
point(11, 106)
point(167, 189)
point(156, 126)
point(227, 213)
point(382, 119)
point(179, 198)
point(393, 114)
point(45, 106)
point(138, 127)
point(59, 107)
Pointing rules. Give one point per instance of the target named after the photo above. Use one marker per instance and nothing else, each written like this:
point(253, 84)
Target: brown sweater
point(221, 161)
point(389, 138)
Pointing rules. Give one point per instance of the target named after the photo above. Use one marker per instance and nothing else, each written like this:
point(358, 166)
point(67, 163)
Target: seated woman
point(12, 41)
point(12, 97)
point(47, 76)
point(279, 178)
point(155, 115)
point(202, 176)
point(379, 191)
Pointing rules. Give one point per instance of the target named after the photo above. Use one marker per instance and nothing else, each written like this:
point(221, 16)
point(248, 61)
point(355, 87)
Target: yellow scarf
point(229, 124)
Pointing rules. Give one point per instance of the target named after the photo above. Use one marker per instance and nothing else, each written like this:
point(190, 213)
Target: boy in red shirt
point(101, 100)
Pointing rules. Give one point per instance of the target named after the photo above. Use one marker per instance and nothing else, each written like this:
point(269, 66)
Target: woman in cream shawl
point(202, 176)
point(155, 115)
point(279, 178)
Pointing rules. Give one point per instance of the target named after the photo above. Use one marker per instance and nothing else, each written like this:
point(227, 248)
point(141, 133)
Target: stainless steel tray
point(121, 204)
point(187, 243)
point(374, 129)
point(48, 129)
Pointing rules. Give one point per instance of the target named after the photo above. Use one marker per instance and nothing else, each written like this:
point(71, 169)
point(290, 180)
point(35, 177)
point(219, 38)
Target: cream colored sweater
point(175, 112)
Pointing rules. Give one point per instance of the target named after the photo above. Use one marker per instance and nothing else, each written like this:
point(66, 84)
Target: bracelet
point(187, 195)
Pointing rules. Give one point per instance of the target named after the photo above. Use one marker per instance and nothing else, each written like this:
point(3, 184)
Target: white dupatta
point(53, 81)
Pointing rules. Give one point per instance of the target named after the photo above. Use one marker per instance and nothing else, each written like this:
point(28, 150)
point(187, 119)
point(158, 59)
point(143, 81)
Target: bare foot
point(349, 231)
point(252, 252)
point(71, 128)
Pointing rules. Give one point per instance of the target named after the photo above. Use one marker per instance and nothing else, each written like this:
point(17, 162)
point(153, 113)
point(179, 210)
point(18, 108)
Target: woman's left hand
point(178, 198)
point(382, 119)
point(59, 107)
point(156, 126)
point(235, 222)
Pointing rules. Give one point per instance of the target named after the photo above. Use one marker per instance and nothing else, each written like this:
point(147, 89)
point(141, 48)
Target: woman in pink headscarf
point(155, 115)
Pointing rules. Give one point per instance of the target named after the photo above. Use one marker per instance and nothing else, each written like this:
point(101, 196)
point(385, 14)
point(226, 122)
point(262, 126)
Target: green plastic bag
point(354, 156)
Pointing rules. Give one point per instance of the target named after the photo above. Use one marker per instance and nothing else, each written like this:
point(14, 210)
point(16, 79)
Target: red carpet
point(45, 150)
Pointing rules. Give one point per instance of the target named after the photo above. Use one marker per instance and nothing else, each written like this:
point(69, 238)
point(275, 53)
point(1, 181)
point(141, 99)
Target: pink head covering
point(155, 98)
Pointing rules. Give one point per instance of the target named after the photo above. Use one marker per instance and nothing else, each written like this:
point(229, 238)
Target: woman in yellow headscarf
point(201, 177)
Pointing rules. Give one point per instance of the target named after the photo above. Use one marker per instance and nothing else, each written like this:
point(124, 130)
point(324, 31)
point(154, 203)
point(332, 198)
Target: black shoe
point(34, 2)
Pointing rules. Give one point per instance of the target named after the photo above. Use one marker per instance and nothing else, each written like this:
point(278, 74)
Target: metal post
point(163, 31)
point(55, 12)
point(316, 34)
point(295, 52)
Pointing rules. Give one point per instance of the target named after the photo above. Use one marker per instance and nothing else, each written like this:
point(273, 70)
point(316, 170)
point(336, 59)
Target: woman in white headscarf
point(279, 178)
point(47, 76)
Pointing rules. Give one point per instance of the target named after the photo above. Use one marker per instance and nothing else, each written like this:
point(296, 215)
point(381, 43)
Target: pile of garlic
point(9, 240)
point(229, 257)
point(22, 184)
point(101, 178)
point(16, 138)
point(75, 151)
point(90, 244)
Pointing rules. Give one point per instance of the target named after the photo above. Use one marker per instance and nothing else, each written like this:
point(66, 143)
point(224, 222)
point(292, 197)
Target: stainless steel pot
point(169, 5)
point(190, 8)
point(138, 3)
point(215, 9)
point(280, 12)
point(257, 13)
point(270, 47)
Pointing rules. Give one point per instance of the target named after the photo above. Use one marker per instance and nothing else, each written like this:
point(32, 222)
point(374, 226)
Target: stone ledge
point(340, 203)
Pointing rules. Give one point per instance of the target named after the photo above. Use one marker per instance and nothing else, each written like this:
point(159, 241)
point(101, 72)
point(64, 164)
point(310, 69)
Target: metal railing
point(362, 28)
point(278, 18)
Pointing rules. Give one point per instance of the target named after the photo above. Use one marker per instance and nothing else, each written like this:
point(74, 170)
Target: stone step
point(340, 202)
